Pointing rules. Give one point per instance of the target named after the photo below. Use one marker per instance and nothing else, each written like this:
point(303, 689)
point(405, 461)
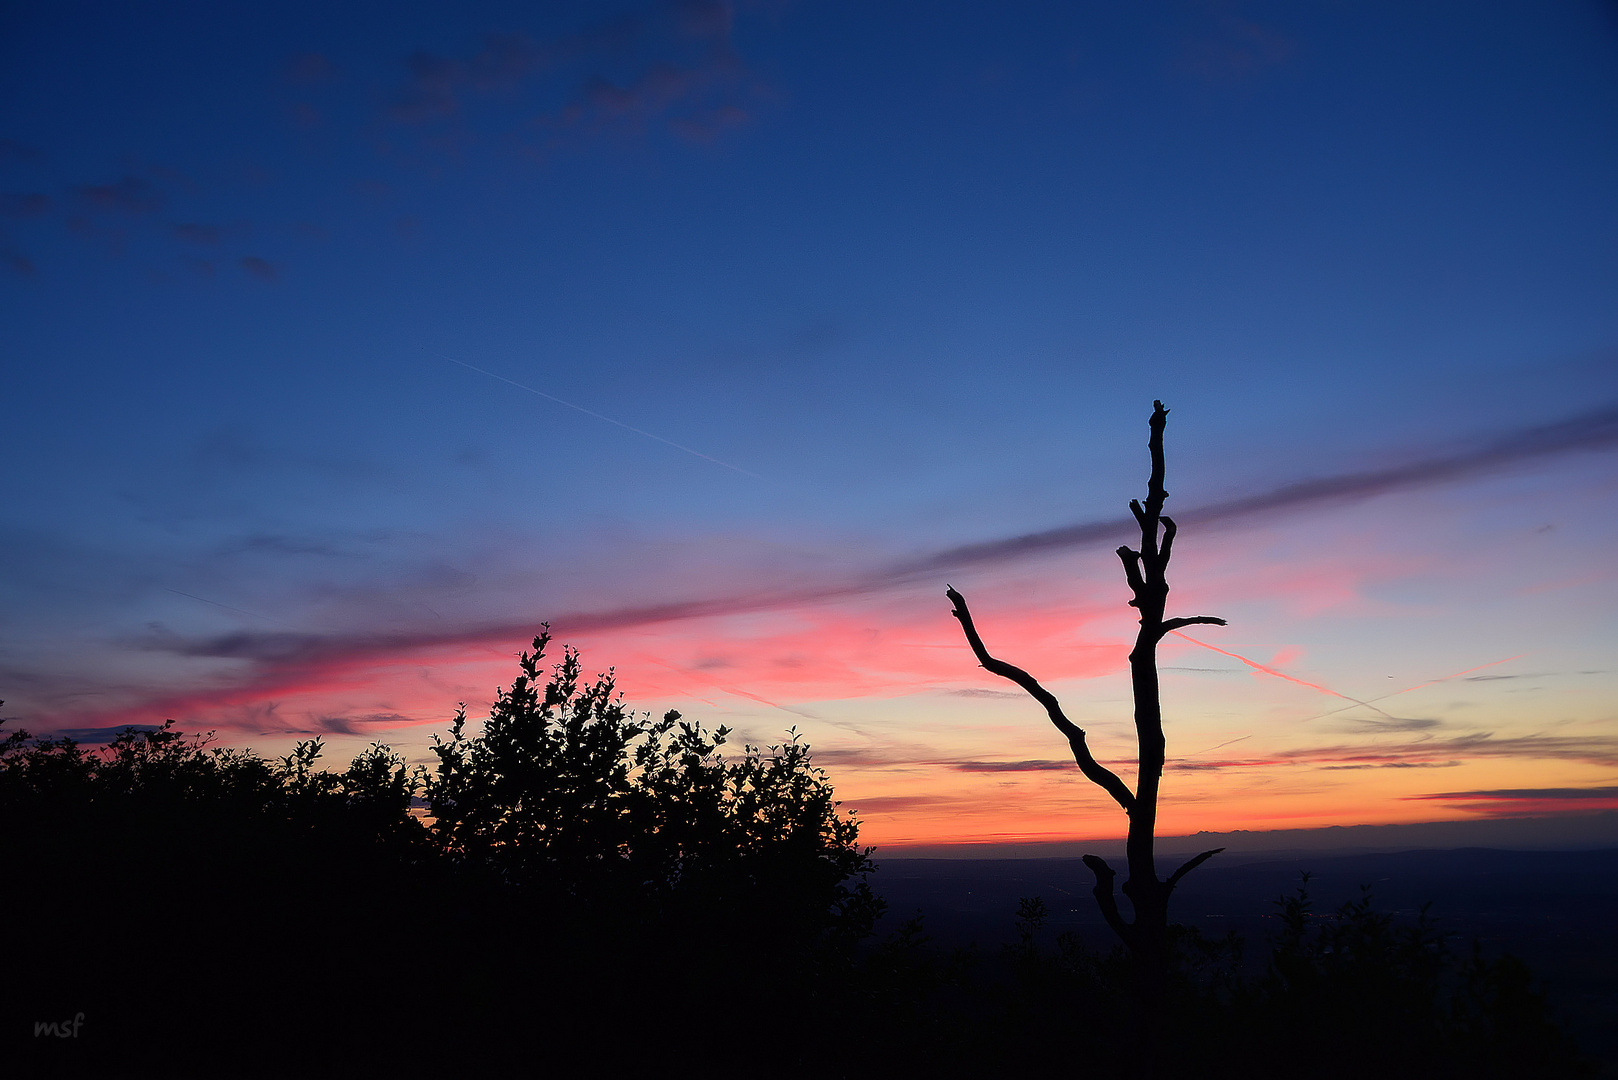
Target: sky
point(342, 345)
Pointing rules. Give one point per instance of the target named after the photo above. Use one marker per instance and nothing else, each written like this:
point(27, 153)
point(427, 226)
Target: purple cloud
point(1505, 802)
point(672, 63)
point(130, 195)
point(708, 126)
point(1234, 50)
point(1594, 430)
point(309, 69)
point(28, 204)
point(436, 84)
point(14, 152)
point(280, 655)
point(1519, 794)
point(259, 268)
point(99, 736)
point(197, 234)
point(1009, 766)
point(1597, 430)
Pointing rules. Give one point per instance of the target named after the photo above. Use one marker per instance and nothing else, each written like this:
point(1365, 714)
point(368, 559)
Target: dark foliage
point(573, 797)
point(1350, 993)
point(588, 884)
point(593, 889)
point(1352, 996)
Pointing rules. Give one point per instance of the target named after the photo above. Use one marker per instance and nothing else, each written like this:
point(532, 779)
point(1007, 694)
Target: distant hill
point(1567, 832)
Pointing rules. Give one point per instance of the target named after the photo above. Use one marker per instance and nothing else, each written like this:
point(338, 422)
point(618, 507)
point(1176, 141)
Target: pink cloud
point(854, 650)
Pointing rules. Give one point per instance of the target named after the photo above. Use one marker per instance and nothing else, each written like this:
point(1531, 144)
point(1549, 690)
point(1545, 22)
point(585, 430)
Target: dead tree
point(1145, 935)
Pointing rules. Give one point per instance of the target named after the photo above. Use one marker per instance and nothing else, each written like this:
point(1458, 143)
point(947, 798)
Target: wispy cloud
point(309, 69)
point(1513, 802)
point(1432, 753)
point(277, 657)
point(608, 419)
point(436, 84)
point(893, 804)
point(128, 195)
point(1396, 765)
point(1009, 766)
point(99, 736)
point(1234, 50)
point(1516, 794)
point(195, 233)
point(1590, 749)
point(112, 213)
point(669, 64)
point(1594, 430)
point(262, 269)
point(14, 152)
point(26, 204)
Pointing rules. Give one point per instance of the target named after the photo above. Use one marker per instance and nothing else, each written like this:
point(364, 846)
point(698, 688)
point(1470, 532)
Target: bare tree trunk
point(1145, 935)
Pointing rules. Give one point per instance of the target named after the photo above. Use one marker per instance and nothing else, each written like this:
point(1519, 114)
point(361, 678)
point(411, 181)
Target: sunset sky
point(341, 345)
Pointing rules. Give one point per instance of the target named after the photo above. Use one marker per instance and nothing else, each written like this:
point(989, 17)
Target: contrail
point(1267, 670)
point(1589, 431)
point(1592, 431)
point(1220, 746)
point(227, 607)
point(598, 416)
point(1421, 686)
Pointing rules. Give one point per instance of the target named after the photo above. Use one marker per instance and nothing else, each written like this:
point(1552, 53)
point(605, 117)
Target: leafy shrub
point(569, 794)
point(191, 899)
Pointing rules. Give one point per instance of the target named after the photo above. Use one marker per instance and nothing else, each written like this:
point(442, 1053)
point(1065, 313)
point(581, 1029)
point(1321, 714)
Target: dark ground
point(1555, 910)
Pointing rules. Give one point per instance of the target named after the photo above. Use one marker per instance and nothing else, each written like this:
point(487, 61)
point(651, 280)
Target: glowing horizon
point(343, 352)
point(930, 749)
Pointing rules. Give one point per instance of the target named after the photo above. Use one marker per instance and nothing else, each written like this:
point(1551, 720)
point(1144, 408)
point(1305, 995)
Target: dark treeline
point(588, 885)
point(577, 886)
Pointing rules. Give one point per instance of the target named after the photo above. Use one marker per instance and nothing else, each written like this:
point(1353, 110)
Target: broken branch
point(1131, 560)
point(1105, 900)
point(1098, 773)
point(1193, 620)
point(1174, 878)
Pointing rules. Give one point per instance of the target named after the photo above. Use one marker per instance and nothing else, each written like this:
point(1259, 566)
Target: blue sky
point(898, 279)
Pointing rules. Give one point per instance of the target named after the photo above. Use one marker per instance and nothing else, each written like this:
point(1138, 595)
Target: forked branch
point(1131, 560)
point(1146, 935)
point(1167, 548)
point(1098, 773)
point(1174, 878)
point(1105, 900)
point(1194, 620)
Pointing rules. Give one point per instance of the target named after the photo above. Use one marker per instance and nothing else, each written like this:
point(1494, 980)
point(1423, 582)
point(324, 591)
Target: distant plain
point(1555, 910)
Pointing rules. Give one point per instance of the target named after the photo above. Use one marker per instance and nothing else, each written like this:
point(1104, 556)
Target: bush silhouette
point(577, 863)
point(568, 794)
point(591, 887)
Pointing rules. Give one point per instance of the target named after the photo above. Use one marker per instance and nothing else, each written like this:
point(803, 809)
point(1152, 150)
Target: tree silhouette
point(569, 794)
point(1146, 935)
point(582, 869)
